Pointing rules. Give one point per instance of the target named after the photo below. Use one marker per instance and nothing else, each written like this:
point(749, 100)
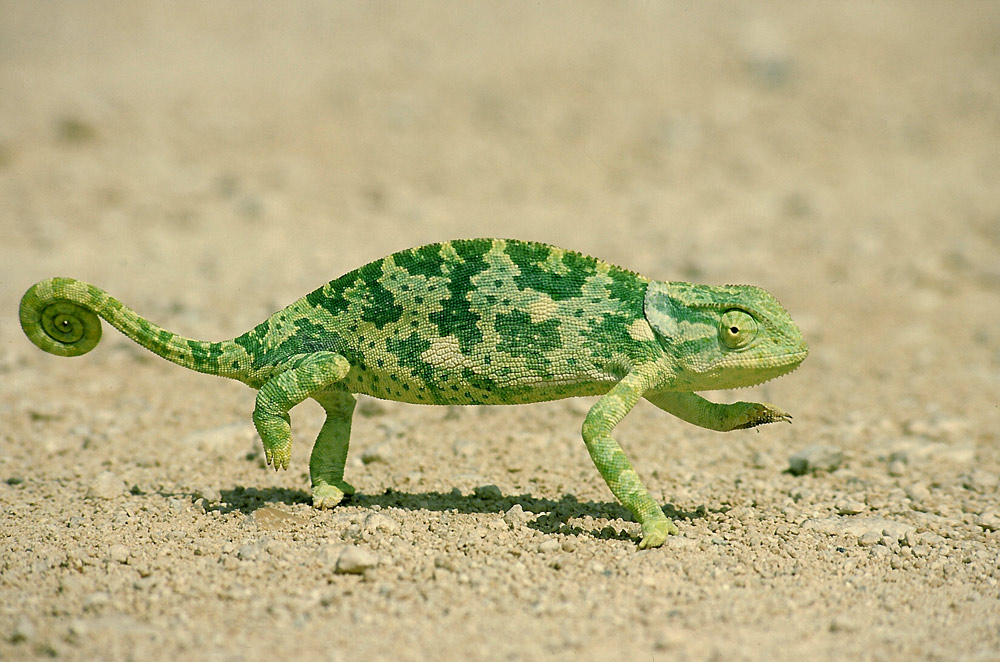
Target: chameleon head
point(722, 336)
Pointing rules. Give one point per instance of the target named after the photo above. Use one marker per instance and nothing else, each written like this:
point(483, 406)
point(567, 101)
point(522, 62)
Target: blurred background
point(224, 158)
point(210, 162)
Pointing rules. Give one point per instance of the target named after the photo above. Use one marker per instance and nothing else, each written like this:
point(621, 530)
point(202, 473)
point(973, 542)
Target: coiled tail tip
point(55, 323)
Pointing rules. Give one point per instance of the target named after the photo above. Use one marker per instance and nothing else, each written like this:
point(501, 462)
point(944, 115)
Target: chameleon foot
point(278, 456)
point(759, 413)
point(326, 495)
point(655, 533)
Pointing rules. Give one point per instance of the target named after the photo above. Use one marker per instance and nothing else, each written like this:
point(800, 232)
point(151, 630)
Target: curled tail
point(60, 315)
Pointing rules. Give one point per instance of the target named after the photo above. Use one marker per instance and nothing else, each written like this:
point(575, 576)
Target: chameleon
point(473, 321)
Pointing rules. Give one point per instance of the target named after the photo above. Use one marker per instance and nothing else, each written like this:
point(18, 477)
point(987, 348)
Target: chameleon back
point(479, 321)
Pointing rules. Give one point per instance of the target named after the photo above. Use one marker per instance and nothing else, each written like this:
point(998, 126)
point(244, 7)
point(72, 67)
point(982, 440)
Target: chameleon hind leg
point(615, 468)
point(300, 377)
point(329, 454)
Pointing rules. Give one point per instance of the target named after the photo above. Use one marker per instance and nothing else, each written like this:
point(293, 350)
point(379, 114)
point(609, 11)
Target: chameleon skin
point(476, 321)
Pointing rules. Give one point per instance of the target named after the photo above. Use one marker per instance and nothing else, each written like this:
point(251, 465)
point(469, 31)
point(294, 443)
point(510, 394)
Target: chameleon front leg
point(695, 409)
point(302, 376)
point(329, 454)
point(615, 467)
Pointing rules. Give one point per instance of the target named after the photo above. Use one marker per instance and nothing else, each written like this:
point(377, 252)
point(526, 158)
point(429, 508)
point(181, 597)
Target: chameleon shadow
point(553, 516)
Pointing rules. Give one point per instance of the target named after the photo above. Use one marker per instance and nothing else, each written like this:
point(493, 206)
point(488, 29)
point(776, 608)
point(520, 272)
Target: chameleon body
point(477, 321)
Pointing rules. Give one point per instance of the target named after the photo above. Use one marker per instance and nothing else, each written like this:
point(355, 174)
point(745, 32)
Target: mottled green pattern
point(477, 321)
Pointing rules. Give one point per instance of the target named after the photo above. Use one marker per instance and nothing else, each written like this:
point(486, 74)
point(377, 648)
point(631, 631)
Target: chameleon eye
point(737, 329)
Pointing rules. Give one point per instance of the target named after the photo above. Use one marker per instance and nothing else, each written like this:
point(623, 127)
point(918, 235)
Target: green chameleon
point(476, 321)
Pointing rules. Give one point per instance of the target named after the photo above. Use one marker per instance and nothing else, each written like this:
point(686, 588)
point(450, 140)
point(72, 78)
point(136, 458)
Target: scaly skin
point(478, 321)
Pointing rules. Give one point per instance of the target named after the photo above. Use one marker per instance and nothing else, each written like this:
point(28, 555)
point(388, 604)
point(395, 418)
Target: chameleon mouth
point(753, 373)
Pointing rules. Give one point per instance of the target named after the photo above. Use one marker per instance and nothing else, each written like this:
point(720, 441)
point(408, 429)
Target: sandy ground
point(210, 163)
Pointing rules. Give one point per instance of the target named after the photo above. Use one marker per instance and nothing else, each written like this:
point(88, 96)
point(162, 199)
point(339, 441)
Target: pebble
point(815, 458)
point(489, 492)
point(24, 630)
point(989, 521)
point(515, 517)
point(271, 519)
point(376, 522)
point(869, 538)
point(918, 493)
point(915, 450)
point(380, 452)
point(980, 481)
point(221, 437)
point(119, 554)
point(96, 601)
point(106, 485)
point(548, 546)
point(766, 53)
point(464, 447)
point(858, 527)
point(369, 407)
point(355, 560)
point(841, 623)
point(248, 552)
point(209, 493)
point(849, 507)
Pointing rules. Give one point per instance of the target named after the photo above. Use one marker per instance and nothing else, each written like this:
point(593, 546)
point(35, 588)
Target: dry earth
point(209, 163)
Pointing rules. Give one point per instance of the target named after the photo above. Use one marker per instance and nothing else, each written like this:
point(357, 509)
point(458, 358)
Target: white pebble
point(515, 517)
point(106, 485)
point(119, 553)
point(815, 458)
point(355, 560)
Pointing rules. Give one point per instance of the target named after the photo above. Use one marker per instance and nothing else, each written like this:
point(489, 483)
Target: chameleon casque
point(473, 321)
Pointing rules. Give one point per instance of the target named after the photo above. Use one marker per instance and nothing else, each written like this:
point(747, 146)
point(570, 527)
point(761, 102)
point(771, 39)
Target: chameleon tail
point(60, 315)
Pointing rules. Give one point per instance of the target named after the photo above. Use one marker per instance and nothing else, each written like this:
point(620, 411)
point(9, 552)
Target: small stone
point(248, 552)
point(515, 517)
point(95, 601)
point(271, 519)
point(548, 546)
point(106, 485)
point(119, 554)
point(444, 563)
point(369, 407)
point(918, 493)
point(980, 481)
point(760, 460)
point(24, 630)
point(815, 458)
point(464, 447)
point(869, 538)
point(77, 627)
point(328, 553)
point(355, 560)
point(896, 467)
point(874, 527)
point(849, 507)
point(221, 438)
point(842, 623)
point(488, 492)
point(377, 522)
point(209, 493)
point(766, 53)
point(380, 452)
point(989, 521)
